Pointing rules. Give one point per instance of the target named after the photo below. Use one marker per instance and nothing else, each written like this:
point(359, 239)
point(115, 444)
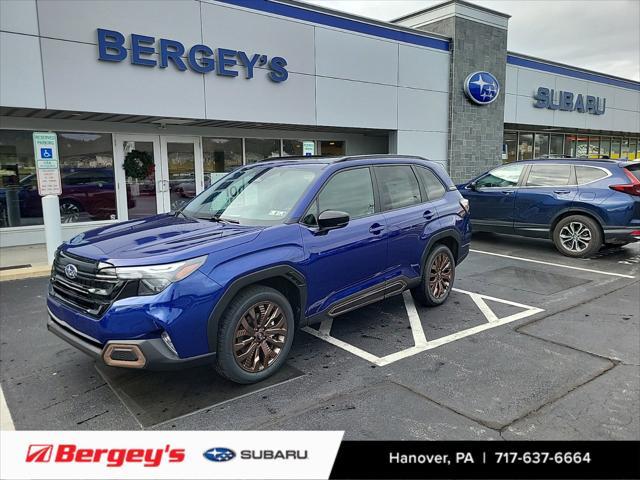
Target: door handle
point(376, 228)
point(428, 215)
point(562, 192)
point(507, 192)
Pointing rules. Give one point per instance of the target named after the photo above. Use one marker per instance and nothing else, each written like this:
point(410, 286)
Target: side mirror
point(472, 186)
point(330, 219)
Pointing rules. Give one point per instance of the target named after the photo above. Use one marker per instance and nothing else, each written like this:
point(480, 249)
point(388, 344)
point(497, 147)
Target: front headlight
point(153, 279)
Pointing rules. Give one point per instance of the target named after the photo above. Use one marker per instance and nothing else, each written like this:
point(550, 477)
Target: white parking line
point(522, 259)
point(421, 343)
point(6, 422)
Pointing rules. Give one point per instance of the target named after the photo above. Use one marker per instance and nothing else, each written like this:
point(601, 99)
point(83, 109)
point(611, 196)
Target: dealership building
point(152, 101)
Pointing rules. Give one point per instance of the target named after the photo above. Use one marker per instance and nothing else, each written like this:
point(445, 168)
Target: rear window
point(635, 171)
point(589, 174)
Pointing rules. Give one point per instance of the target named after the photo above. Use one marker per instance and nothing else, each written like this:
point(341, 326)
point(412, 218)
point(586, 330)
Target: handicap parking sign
point(46, 153)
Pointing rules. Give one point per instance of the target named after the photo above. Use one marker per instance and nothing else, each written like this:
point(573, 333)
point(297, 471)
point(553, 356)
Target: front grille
point(92, 290)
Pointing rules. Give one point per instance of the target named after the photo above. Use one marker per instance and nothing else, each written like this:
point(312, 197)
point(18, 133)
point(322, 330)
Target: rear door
point(547, 190)
point(493, 198)
point(409, 216)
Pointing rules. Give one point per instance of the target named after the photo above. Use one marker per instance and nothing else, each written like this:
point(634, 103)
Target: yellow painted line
point(20, 273)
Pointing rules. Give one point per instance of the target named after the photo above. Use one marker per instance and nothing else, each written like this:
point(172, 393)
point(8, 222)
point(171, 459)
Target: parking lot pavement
point(530, 345)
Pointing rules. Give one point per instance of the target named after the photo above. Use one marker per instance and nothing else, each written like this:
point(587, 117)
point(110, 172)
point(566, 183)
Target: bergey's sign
point(567, 101)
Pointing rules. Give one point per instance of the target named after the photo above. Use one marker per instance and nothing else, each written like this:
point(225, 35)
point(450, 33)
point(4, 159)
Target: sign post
point(45, 147)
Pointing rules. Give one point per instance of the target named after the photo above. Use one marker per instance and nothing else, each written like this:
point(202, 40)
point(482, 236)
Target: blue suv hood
point(168, 235)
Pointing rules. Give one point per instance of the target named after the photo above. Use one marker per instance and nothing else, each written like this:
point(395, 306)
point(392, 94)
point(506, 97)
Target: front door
point(156, 174)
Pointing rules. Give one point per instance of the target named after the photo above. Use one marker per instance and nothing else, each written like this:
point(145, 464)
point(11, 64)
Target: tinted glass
point(332, 148)
point(589, 174)
point(254, 196)
point(594, 147)
point(541, 144)
point(510, 147)
point(398, 187)
point(350, 191)
point(557, 144)
point(257, 149)
point(525, 148)
point(582, 147)
point(430, 183)
point(221, 155)
point(506, 176)
point(605, 146)
point(549, 175)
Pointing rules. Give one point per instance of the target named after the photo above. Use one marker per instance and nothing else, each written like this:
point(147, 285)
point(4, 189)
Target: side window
point(350, 191)
point(549, 175)
point(430, 183)
point(398, 187)
point(589, 174)
point(506, 176)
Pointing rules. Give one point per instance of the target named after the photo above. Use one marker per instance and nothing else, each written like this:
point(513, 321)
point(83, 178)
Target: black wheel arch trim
point(575, 211)
point(448, 233)
point(286, 272)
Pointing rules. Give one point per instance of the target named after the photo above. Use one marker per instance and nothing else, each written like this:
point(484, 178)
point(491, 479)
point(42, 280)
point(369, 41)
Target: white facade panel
point(75, 80)
point(510, 108)
point(356, 104)
point(355, 57)
point(568, 84)
point(292, 101)
point(530, 80)
point(423, 68)
point(227, 27)
point(567, 119)
point(511, 82)
point(432, 145)
point(20, 71)
point(601, 122)
point(627, 99)
point(423, 110)
point(625, 121)
point(527, 113)
point(19, 16)
point(173, 19)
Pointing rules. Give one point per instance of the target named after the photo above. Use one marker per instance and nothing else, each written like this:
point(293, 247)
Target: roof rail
point(599, 158)
point(380, 155)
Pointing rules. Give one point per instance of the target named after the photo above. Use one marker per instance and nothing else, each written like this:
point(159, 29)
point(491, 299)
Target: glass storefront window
point(638, 149)
point(582, 147)
point(615, 148)
point(624, 153)
point(556, 145)
point(525, 146)
point(541, 146)
point(86, 170)
point(605, 146)
point(510, 146)
point(292, 148)
point(633, 148)
point(332, 148)
point(570, 145)
point(594, 147)
point(221, 155)
point(257, 149)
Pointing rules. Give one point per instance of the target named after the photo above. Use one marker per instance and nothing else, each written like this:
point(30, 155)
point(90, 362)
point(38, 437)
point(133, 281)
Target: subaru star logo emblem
point(219, 454)
point(481, 88)
point(71, 271)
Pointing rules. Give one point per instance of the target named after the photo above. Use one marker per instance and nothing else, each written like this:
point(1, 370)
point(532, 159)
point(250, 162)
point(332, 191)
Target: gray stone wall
point(475, 131)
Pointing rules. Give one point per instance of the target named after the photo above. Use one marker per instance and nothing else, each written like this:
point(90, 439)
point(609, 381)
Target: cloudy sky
point(600, 35)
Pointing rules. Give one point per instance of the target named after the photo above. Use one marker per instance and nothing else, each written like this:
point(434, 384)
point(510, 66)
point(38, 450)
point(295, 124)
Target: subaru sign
point(568, 101)
point(145, 51)
point(482, 88)
point(219, 454)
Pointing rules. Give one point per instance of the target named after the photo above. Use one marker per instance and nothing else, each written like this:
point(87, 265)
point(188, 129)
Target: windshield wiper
point(218, 218)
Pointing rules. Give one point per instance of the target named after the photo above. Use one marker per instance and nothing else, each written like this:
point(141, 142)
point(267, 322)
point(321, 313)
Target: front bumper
point(149, 354)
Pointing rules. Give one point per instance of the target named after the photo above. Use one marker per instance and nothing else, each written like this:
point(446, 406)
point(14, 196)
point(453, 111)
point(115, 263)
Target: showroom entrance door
point(156, 173)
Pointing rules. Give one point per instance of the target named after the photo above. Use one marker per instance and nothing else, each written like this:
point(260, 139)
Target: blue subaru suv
point(268, 248)
point(579, 203)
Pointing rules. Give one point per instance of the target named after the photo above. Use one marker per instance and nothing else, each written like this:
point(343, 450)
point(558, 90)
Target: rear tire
point(438, 275)
point(255, 335)
point(577, 236)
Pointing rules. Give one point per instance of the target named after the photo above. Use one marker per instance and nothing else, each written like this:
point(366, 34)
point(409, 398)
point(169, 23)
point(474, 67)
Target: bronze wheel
point(440, 275)
point(260, 336)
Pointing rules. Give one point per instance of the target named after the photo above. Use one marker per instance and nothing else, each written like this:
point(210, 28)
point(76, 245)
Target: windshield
point(257, 195)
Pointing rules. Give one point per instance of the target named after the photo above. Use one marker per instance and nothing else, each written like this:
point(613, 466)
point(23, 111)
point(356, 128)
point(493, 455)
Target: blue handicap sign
point(46, 153)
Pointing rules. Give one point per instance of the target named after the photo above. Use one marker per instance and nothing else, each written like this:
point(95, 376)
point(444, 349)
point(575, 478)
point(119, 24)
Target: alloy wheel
point(440, 275)
point(575, 236)
point(260, 336)
point(69, 212)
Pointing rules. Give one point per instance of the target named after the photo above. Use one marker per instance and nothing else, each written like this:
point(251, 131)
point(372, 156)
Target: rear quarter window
point(635, 170)
point(589, 174)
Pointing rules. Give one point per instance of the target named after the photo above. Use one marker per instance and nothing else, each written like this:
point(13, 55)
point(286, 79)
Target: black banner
point(484, 460)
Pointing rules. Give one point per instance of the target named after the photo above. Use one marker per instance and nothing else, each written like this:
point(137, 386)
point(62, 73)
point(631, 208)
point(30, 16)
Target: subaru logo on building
point(71, 271)
point(482, 87)
point(219, 454)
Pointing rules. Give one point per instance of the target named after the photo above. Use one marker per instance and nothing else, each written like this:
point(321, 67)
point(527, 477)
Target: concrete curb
point(20, 273)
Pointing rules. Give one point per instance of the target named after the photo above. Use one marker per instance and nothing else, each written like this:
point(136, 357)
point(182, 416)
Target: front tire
point(438, 275)
point(577, 236)
point(255, 335)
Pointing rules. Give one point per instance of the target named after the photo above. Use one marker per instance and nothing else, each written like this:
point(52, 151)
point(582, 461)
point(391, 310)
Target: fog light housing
point(167, 341)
